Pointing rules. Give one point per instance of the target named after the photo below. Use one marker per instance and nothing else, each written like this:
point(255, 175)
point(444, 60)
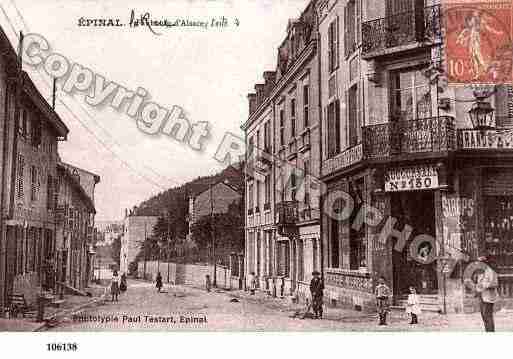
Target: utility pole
point(168, 242)
point(145, 251)
point(213, 236)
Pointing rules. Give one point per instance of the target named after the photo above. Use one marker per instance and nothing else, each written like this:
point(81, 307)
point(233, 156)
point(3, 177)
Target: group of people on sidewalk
point(484, 286)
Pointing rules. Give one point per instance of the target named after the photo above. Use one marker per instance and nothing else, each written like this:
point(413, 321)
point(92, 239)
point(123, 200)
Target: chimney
point(259, 88)
point(270, 79)
point(252, 103)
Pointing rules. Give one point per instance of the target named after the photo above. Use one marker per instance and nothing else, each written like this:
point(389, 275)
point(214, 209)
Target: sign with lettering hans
point(411, 178)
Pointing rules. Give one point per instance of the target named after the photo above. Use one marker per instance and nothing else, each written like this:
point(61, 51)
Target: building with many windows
point(30, 131)
point(425, 161)
point(283, 141)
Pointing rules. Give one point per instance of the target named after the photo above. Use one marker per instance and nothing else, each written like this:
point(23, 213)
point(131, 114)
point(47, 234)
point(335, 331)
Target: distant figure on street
point(382, 300)
point(114, 285)
point(317, 289)
point(123, 285)
point(413, 306)
point(158, 282)
point(252, 283)
point(486, 290)
point(208, 283)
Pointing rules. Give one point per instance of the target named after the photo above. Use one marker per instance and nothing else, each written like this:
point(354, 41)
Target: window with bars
point(333, 45)
point(20, 179)
point(293, 117)
point(333, 128)
point(306, 102)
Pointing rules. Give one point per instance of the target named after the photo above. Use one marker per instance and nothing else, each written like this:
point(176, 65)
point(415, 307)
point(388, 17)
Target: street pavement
point(181, 308)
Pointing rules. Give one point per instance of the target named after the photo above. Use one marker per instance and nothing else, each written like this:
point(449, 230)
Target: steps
point(428, 303)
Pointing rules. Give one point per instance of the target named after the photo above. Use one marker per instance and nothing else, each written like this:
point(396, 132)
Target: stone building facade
point(283, 142)
point(30, 131)
point(75, 225)
point(433, 189)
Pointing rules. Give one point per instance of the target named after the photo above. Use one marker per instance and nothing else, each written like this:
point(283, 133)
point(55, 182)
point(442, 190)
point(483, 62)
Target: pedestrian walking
point(413, 306)
point(114, 286)
point(486, 291)
point(208, 283)
point(158, 282)
point(123, 284)
point(317, 291)
point(382, 300)
point(252, 283)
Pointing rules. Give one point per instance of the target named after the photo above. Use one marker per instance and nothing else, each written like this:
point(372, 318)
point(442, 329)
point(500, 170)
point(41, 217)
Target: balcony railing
point(304, 144)
point(287, 213)
point(433, 134)
point(401, 29)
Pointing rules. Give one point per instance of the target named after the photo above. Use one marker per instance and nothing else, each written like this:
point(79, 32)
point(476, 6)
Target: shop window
point(258, 254)
point(335, 243)
point(357, 238)
point(499, 230)
point(314, 254)
point(301, 262)
point(284, 258)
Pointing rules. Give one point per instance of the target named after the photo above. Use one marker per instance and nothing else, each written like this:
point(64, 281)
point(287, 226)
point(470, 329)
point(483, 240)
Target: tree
point(115, 249)
point(227, 229)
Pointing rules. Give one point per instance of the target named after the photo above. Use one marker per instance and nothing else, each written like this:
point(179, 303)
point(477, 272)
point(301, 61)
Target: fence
point(188, 274)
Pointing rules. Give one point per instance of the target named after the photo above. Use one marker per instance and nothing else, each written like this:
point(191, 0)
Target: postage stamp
point(478, 41)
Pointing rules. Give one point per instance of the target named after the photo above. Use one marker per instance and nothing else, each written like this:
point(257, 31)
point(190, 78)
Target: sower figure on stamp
point(317, 289)
point(382, 300)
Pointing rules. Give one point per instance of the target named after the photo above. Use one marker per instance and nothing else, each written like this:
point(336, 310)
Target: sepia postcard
point(248, 166)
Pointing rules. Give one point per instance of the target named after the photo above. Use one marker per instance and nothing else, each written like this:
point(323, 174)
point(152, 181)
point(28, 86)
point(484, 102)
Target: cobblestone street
point(222, 312)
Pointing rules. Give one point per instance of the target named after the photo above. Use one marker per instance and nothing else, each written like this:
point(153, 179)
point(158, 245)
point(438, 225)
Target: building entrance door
point(416, 209)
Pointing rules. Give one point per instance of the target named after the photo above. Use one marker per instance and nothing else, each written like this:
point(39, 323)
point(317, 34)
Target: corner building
point(396, 138)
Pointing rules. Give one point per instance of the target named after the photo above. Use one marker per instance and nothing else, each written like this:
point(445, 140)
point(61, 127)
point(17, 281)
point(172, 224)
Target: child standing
point(413, 306)
point(252, 283)
point(382, 300)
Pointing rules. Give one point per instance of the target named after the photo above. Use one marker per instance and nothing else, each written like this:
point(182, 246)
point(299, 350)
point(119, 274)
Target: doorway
point(417, 209)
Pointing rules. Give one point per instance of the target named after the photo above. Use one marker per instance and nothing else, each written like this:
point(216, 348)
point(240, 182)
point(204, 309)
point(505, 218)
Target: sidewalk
point(285, 304)
point(72, 304)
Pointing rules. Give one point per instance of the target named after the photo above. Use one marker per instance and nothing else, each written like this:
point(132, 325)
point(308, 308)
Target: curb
point(54, 317)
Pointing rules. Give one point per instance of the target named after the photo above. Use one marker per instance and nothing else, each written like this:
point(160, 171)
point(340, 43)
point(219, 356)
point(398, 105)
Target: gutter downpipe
point(321, 198)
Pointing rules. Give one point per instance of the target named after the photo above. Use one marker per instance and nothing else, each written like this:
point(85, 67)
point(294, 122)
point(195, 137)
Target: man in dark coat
point(316, 289)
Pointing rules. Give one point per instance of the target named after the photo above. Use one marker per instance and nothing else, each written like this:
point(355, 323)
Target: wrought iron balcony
point(406, 28)
point(287, 213)
point(304, 144)
point(432, 134)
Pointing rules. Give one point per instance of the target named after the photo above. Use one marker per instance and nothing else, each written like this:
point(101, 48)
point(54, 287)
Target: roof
point(224, 182)
point(87, 200)
point(40, 102)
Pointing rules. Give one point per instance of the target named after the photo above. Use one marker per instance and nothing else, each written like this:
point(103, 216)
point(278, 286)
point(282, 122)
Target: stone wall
point(188, 274)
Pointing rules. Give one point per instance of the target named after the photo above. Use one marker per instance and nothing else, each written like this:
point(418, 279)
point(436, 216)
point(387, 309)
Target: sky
point(207, 72)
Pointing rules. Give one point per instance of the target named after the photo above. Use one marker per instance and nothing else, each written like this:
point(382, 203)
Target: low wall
point(187, 274)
